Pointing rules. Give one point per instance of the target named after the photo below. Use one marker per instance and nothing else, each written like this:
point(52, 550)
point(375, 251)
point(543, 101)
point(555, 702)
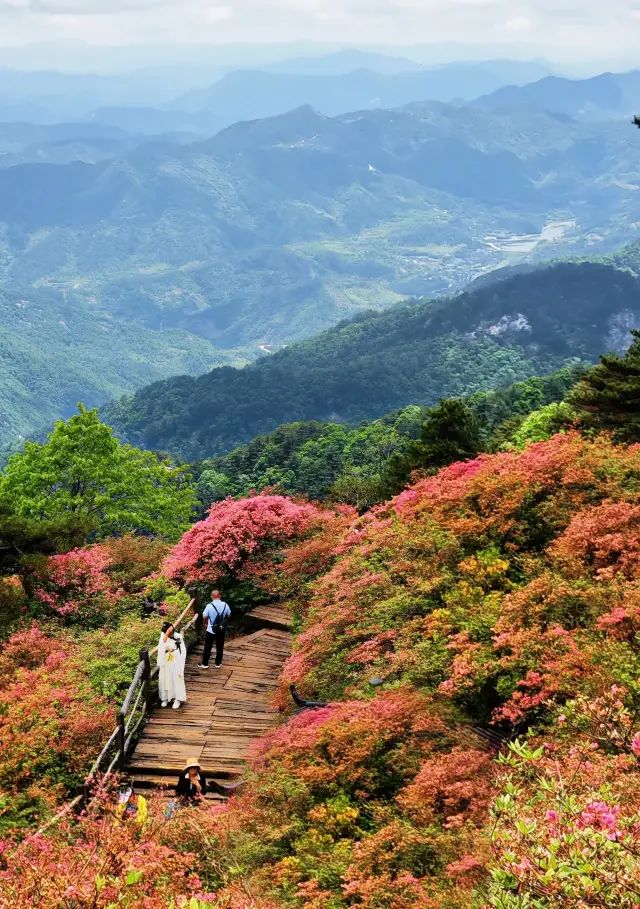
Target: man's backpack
point(220, 621)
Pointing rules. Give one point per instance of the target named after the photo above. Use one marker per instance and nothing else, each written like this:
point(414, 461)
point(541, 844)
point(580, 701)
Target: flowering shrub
point(68, 582)
point(235, 531)
point(27, 649)
point(494, 582)
point(109, 658)
point(499, 597)
point(567, 824)
point(501, 587)
point(340, 811)
point(98, 864)
point(99, 584)
point(239, 545)
point(52, 724)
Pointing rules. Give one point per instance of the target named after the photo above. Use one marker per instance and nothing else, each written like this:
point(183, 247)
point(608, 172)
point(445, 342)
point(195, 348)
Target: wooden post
point(146, 680)
point(194, 593)
point(121, 740)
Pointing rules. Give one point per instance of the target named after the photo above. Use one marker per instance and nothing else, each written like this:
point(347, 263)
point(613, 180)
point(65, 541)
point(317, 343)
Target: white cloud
point(520, 24)
point(570, 29)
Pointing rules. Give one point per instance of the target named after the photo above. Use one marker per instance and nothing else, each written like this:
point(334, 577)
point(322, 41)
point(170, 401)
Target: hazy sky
point(567, 29)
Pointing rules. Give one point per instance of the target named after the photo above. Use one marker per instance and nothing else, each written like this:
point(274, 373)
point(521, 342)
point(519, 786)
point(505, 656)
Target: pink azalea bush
point(97, 584)
point(67, 581)
point(239, 542)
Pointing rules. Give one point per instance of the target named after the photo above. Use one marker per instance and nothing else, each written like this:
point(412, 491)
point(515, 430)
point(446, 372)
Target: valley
point(498, 331)
point(552, 232)
point(276, 229)
point(327, 358)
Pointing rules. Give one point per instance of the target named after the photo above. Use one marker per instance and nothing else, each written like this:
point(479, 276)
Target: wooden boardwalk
point(226, 708)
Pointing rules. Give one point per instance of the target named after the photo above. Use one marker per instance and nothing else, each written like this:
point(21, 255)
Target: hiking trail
point(226, 708)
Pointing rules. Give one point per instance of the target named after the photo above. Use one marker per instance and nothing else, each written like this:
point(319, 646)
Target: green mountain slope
point(56, 350)
point(309, 457)
point(279, 228)
point(415, 354)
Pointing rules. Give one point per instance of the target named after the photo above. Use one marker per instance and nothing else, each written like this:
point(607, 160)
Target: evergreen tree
point(609, 396)
point(450, 433)
point(23, 540)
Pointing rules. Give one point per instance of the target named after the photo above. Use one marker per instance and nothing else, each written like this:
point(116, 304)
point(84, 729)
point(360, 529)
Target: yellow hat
point(192, 762)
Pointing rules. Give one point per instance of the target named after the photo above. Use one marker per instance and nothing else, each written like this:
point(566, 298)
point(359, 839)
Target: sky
point(557, 29)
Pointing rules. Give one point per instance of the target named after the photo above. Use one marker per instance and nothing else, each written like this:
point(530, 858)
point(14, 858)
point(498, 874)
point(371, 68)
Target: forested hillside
point(276, 229)
point(321, 460)
point(57, 349)
point(288, 224)
point(415, 354)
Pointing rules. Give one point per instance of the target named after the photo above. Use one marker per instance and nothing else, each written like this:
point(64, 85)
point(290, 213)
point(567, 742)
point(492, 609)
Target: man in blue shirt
point(217, 613)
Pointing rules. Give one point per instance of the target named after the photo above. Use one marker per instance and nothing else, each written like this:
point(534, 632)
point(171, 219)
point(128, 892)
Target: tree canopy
point(609, 394)
point(451, 432)
point(84, 475)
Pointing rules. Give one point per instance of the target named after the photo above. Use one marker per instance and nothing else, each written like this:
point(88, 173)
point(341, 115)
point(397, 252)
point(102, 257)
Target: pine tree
point(609, 396)
point(450, 433)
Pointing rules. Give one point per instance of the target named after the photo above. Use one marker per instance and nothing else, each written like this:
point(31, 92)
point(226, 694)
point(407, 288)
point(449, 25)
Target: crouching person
point(192, 785)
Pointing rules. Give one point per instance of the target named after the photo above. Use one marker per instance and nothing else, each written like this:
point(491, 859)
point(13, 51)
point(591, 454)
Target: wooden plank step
point(227, 709)
point(272, 617)
point(227, 772)
point(167, 780)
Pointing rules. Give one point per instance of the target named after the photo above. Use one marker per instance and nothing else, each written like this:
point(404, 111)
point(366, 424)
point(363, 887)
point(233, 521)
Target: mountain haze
point(276, 229)
point(607, 96)
point(340, 62)
point(251, 94)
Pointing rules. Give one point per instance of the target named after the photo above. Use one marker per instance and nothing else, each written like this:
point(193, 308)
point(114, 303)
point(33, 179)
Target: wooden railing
point(135, 708)
point(138, 700)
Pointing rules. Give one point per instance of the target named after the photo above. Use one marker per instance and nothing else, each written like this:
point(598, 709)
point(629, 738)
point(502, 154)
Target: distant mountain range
point(150, 101)
point(341, 62)
point(276, 229)
point(250, 94)
point(22, 143)
point(607, 96)
point(485, 338)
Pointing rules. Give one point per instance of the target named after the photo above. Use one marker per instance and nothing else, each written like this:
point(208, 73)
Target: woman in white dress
point(172, 655)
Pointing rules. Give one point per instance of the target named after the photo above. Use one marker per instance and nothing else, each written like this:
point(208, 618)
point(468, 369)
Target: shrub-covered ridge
point(495, 600)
